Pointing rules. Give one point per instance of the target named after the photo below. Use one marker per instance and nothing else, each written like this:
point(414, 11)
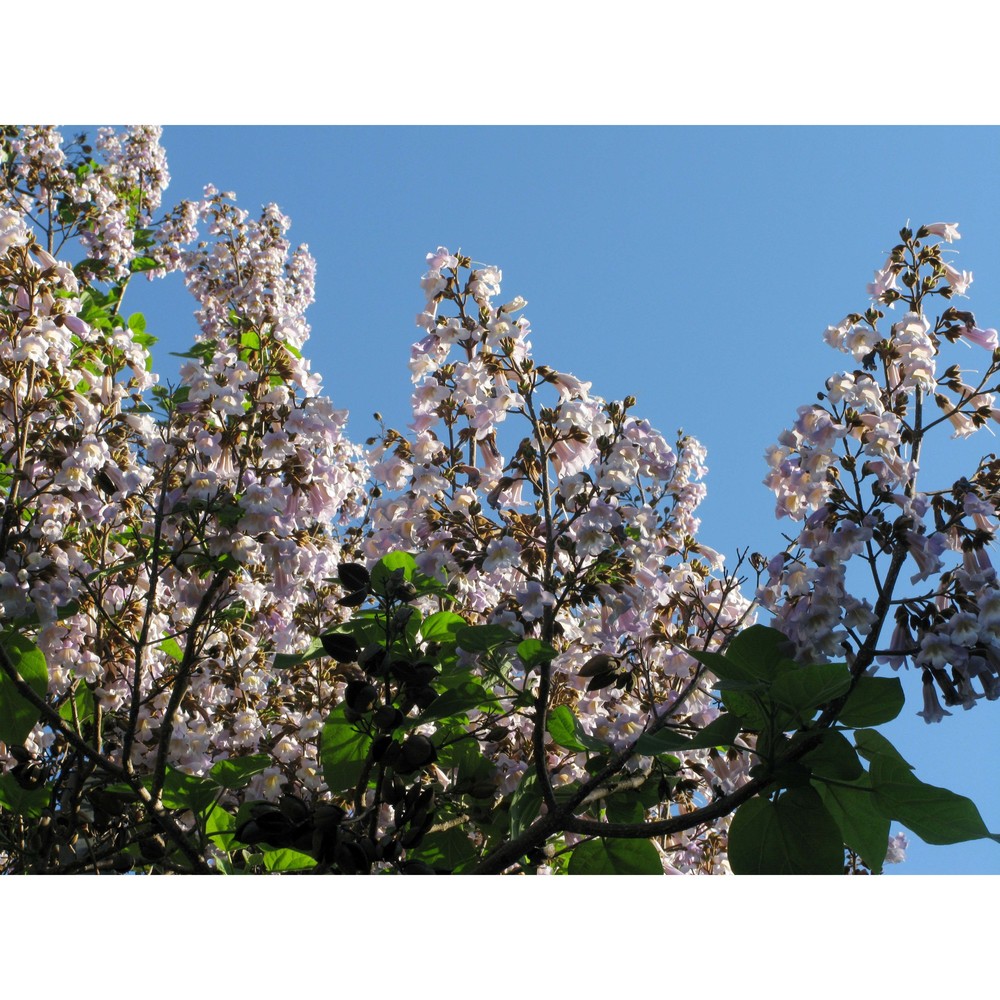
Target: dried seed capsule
point(394, 790)
point(418, 751)
point(360, 696)
point(387, 718)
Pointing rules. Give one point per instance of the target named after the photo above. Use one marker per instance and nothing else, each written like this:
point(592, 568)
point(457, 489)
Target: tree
point(234, 640)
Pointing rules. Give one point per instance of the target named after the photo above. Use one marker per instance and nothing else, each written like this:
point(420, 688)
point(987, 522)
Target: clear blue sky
point(694, 267)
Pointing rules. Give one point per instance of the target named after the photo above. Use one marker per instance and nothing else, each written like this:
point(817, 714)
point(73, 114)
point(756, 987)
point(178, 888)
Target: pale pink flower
point(982, 338)
point(570, 387)
point(442, 257)
point(963, 424)
point(932, 711)
point(948, 231)
point(926, 552)
point(900, 645)
point(885, 280)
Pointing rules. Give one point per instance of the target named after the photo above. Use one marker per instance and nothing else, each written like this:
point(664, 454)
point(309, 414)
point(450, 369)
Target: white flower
point(935, 651)
point(959, 280)
point(533, 599)
point(896, 853)
point(964, 628)
point(502, 553)
point(12, 230)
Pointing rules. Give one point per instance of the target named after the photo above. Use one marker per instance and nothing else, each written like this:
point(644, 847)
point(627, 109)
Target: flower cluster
point(580, 530)
point(107, 201)
point(174, 552)
point(848, 470)
point(168, 542)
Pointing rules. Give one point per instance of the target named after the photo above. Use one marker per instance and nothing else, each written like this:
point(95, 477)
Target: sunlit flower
point(947, 230)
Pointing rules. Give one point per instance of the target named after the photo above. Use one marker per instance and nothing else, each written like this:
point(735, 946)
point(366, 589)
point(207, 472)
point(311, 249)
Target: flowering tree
point(233, 640)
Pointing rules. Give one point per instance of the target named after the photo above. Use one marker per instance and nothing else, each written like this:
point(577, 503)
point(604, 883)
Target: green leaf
point(143, 238)
point(460, 752)
point(364, 627)
point(534, 652)
point(444, 849)
point(935, 815)
point(834, 757)
point(84, 700)
point(17, 715)
point(144, 340)
point(758, 650)
point(403, 561)
point(723, 667)
point(441, 626)
point(88, 264)
point(731, 685)
point(203, 351)
point(141, 264)
point(456, 700)
point(872, 746)
point(615, 857)
point(630, 806)
point(747, 710)
point(187, 791)
point(251, 340)
point(721, 732)
point(342, 752)
point(172, 648)
point(864, 829)
point(22, 802)
point(287, 860)
point(803, 689)
point(429, 586)
point(794, 836)
point(565, 730)
point(873, 702)
point(137, 323)
point(525, 804)
point(117, 568)
point(236, 772)
point(483, 638)
point(220, 826)
point(285, 661)
point(383, 570)
point(663, 741)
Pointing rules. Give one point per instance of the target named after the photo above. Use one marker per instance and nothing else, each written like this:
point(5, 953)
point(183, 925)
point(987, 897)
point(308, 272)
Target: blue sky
point(694, 267)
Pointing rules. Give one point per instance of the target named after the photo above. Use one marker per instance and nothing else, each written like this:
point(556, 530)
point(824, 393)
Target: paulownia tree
point(235, 641)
